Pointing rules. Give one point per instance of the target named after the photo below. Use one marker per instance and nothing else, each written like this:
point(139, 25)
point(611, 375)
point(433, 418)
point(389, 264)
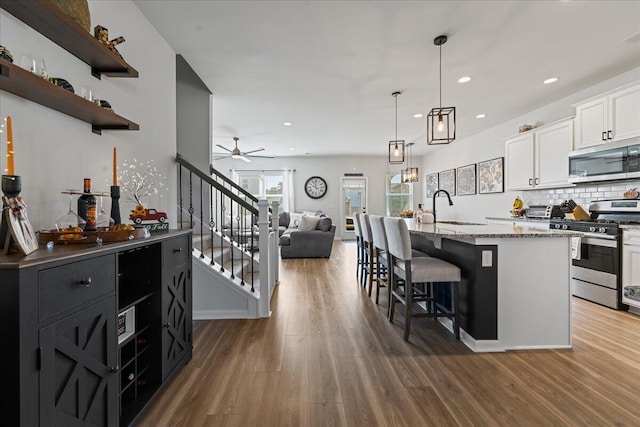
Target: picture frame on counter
point(447, 182)
point(491, 176)
point(466, 180)
point(431, 182)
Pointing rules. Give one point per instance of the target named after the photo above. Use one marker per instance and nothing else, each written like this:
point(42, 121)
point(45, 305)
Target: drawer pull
point(114, 369)
point(86, 281)
point(177, 251)
point(167, 325)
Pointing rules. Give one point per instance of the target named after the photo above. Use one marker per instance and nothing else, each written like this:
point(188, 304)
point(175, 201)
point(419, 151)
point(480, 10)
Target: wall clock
point(315, 187)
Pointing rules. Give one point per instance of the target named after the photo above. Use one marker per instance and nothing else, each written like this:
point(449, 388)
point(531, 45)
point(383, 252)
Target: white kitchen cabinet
point(614, 116)
point(630, 262)
point(539, 158)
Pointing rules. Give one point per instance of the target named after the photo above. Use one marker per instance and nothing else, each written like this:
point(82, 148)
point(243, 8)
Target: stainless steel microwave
point(618, 160)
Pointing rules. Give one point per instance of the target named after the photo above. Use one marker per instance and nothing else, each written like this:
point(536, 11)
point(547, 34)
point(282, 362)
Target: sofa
point(298, 241)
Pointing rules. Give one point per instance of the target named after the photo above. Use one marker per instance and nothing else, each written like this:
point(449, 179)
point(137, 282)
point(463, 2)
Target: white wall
point(490, 144)
point(55, 152)
point(332, 169)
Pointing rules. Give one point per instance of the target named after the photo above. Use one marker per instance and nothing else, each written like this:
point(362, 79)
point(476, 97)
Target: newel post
point(264, 308)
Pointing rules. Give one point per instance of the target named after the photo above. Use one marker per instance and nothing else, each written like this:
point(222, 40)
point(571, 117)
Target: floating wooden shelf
point(47, 19)
point(34, 88)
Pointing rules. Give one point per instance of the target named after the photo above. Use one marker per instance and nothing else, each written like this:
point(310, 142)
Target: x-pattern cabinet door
point(78, 385)
point(176, 317)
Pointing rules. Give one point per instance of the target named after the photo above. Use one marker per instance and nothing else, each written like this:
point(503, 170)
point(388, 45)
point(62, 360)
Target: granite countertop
point(518, 218)
point(465, 231)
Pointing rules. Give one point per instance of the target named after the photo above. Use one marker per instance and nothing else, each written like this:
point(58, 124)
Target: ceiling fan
point(237, 154)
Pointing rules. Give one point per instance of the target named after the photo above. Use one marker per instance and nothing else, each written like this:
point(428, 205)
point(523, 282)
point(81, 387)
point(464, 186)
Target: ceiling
point(330, 67)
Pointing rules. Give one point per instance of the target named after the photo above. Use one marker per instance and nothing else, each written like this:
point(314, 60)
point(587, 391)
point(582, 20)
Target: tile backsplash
point(582, 194)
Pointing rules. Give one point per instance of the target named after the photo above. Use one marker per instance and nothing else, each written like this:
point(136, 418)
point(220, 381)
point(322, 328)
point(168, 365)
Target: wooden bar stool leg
point(408, 298)
point(456, 300)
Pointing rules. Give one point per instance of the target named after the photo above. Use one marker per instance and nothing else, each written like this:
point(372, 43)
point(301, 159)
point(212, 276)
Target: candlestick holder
point(115, 204)
point(11, 187)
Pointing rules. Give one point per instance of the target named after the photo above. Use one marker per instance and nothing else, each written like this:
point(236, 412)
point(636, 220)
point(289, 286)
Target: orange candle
point(10, 155)
point(115, 167)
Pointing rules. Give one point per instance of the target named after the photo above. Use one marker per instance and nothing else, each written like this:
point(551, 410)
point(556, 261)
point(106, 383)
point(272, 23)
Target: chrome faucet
point(434, 202)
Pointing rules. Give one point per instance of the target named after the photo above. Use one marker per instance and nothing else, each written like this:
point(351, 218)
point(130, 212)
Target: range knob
point(602, 230)
point(556, 226)
point(565, 227)
point(592, 229)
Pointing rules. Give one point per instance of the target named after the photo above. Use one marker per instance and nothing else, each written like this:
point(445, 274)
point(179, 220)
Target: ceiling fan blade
point(245, 159)
point(261, 157)
point(252, 151)
point(220, 157)
point(224, 148)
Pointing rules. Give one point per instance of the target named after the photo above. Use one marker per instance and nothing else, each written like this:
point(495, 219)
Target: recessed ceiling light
point(550, 80)
point(464, 79)
point(417, 116)
point(292, 148)
point(481, 116)
point(287, 124)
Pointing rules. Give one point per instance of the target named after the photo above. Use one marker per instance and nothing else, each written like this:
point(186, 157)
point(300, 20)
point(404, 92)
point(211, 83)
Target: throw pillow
point(294, 222)
point(325, 224)
point(308, 213)
point(308, 223)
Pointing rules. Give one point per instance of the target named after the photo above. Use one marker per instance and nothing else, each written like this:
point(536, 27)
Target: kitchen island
point(515, 289)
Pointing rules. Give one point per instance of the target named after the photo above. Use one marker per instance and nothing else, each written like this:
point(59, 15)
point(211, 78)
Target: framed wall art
point(432, 184)
point(466, 180)
point(447, 181)
point(491, 176)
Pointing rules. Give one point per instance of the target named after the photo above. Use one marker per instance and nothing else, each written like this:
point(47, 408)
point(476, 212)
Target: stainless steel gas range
point(596, 270)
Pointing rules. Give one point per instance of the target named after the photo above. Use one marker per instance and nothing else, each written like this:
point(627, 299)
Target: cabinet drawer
point(66, 286)
point(175, 251)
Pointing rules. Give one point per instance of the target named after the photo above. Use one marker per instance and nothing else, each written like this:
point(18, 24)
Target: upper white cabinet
point(614, 116)
point(539, 158)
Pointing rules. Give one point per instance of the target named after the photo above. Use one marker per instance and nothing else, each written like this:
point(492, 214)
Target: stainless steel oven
point(595, 276)
point(596, 265)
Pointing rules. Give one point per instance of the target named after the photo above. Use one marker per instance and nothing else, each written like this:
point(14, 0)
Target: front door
point(354, 200)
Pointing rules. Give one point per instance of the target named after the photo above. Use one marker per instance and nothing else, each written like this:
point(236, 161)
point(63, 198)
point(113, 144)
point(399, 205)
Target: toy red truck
point(140, 214)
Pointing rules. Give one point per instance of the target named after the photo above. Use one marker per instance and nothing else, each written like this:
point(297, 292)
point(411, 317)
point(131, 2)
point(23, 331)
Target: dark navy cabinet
point(64, 360)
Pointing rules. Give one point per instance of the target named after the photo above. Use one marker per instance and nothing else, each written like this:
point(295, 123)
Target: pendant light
point(441, 121)
point(396, 147)
point(410, 174)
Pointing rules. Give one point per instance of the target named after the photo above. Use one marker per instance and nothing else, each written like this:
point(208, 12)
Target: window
point(399, 195)
point(269, 185)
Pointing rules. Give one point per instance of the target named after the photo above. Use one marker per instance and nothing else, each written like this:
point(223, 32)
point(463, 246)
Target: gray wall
point(194, 115)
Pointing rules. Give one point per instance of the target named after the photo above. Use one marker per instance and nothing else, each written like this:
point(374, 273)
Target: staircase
point(235, 255)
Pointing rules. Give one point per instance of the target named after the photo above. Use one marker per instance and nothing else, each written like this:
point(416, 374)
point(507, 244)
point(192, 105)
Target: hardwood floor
point(329, 357)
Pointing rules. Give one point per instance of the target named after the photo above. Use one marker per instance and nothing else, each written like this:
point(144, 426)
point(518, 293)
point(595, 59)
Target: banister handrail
point(224, 190)
point(215, 172)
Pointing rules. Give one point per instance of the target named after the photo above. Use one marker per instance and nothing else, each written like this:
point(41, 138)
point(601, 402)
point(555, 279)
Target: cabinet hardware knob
point(86, 281)
point(604, 136)
point(167, 325)
point(177, 251)
point(114, 369)
point(610, 134)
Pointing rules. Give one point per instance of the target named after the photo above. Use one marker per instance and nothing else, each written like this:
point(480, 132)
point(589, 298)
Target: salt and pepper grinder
point(115, 204)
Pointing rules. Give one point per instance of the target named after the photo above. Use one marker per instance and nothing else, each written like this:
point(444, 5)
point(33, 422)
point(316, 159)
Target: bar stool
point(381, 250)
point(358, 231)
point(415, 272)
point(368, 252)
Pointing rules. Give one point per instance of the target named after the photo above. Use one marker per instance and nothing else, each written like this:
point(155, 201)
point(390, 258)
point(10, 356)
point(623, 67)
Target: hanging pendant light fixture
point(396, 147)
point(410, 174)
point(441, 121)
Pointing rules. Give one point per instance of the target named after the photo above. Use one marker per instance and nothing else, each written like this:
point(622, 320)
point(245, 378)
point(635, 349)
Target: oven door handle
point(600, 242)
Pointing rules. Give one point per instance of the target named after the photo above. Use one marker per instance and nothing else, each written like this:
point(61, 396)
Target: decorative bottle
point(87, 207)
point(418, 213)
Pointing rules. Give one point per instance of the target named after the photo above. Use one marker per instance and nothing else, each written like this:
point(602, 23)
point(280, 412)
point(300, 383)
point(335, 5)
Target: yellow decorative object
point(78, 10)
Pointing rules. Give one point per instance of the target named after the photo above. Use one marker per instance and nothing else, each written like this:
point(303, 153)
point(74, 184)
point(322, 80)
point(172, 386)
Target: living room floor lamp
point(441, 121)
point(396, 147)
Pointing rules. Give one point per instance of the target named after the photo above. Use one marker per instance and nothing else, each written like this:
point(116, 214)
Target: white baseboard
point(220, 314)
